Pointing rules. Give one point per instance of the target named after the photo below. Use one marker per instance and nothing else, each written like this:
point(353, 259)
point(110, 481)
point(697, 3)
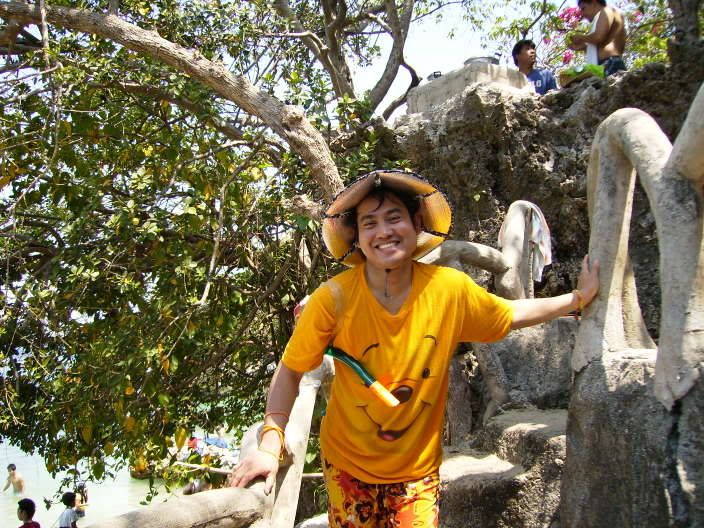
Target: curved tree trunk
point(685, 17)
point(328, 53)
point(685, 46)
point(399, 31)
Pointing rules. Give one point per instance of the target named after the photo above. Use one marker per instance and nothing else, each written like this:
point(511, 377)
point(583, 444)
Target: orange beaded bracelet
point(276, 413)
point(580, 302)
point(280, 432)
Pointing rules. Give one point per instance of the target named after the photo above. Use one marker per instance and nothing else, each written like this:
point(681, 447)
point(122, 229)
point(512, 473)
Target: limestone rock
point(491, 145)
point(689, 449)
point(511, 475)
point(619, 469)
point(428, 95)
point(319, 521)
point(536, 363)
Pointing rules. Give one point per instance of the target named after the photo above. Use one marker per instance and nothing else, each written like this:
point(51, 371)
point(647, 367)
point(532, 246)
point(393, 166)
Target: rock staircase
point(510, 475)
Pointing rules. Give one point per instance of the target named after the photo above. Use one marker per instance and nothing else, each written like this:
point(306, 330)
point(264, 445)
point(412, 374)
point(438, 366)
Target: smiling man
point(401, 320)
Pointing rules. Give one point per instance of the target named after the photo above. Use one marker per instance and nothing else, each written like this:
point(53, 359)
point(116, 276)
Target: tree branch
point(14, 66)
point(686, 20)
point(305, 206)
point(10, 44)
point(380, 21)
point(357, 23)
point(541, 14)
point(224, 127)
point(437, 7)
point(415, 81)
point(399, 27)
point(18, 48)
point(221, 223)
point(9, 34)
point(341, 83)
point(285, 120)
point(335, 12)
point(45, 227)
point(218, 358)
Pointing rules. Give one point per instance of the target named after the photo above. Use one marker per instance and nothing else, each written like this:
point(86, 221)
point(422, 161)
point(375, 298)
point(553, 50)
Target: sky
point(429, 48)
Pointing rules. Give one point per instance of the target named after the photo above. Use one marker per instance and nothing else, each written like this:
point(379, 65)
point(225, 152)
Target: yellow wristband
point(280, 433)
point(277, 457)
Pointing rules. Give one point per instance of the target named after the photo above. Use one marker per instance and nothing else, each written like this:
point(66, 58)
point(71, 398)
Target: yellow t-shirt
point(409, 353)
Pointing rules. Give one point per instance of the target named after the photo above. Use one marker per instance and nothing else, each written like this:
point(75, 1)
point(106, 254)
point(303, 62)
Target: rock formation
point(491, 145)
point(634, 448)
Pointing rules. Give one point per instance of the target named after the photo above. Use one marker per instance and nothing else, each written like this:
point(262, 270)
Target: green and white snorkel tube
point(377, 388)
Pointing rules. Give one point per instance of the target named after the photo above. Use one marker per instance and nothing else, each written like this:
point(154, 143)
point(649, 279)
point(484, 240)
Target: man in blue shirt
point(524, 57)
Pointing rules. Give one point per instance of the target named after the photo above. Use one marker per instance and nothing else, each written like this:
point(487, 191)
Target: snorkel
point(369, 381)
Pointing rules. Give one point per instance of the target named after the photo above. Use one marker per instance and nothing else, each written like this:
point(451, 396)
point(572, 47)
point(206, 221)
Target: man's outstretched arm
point(529, 312)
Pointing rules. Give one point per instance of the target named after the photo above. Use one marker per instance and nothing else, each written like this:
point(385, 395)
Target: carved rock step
point(532, 443)
point(476, 488)
point(525, 436)
point(510, 477)
point(319, 521)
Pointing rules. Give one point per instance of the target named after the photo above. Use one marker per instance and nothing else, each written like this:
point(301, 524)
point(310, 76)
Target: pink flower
point(546, 40)
point(567, 56)
point(637, 16)
point(571, 16)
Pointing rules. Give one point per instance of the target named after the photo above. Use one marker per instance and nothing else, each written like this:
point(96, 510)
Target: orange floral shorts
point(356, 504)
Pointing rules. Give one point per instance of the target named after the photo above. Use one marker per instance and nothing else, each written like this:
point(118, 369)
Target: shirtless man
point(14, 478)
point(605, 42)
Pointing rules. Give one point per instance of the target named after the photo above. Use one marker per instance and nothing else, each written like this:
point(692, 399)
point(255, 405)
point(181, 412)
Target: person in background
point(15, 479)
point(73, 511)
point(524, 57)
point(606, 40)
point(25, 513)
point(221, 441)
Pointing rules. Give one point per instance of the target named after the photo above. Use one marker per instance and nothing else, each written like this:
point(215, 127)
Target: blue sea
point(107, 499)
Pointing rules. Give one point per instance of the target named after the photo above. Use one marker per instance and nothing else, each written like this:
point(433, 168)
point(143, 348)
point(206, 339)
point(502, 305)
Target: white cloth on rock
point(538, 234)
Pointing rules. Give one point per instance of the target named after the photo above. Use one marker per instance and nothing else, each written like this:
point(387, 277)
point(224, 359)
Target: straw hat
point(435, 211)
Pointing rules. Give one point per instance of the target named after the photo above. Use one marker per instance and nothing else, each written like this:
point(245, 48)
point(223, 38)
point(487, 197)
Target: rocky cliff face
point(492, 144)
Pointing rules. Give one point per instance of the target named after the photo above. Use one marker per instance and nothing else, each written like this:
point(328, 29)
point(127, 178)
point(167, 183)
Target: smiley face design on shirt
point(416, 393)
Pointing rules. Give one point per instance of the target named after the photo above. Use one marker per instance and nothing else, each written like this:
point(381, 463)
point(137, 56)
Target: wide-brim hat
point(435, 212)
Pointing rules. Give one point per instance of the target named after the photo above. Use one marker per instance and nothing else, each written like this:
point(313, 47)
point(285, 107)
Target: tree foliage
point(150, 252)
point(161, 166)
